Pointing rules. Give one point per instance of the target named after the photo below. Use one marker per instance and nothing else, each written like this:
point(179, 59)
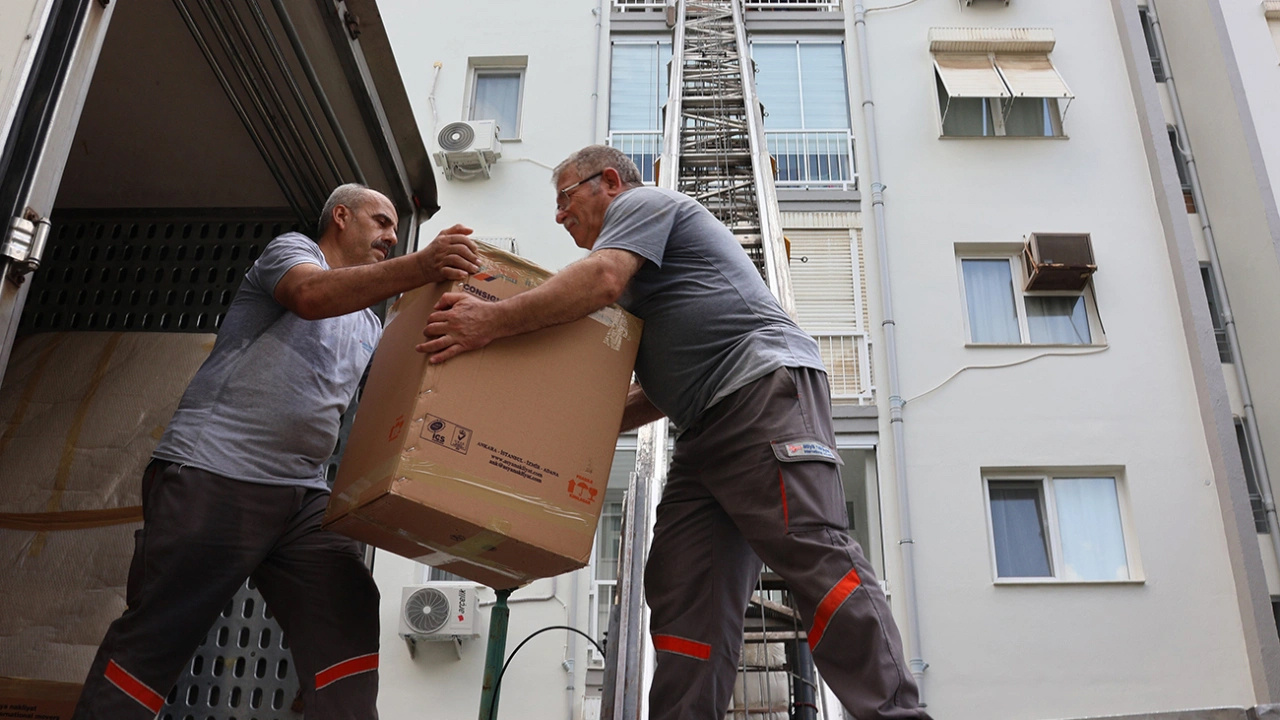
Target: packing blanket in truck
point(80, 413)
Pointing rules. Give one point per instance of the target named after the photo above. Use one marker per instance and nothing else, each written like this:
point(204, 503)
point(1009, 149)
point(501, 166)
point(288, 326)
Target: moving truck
point(150, 149)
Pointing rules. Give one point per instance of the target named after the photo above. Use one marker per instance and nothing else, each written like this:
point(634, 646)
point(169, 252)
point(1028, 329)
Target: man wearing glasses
point(755, 473)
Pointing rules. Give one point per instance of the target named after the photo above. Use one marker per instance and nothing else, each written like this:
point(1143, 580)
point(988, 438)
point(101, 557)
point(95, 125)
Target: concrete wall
point(1048, 650)
point(1229, 83)
point(1131, 405)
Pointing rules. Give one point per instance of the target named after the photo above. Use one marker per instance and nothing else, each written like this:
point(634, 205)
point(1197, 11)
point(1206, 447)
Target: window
point(1215, 312)
point(605, 557)
point(637, 92)
point(1250, 478)
point(826, 275)
point(1153, 49)
point(1057, 527)
point(999, 314)
point(805, 95)
point(1184, 172)
point(497, 92)
point(999, 95)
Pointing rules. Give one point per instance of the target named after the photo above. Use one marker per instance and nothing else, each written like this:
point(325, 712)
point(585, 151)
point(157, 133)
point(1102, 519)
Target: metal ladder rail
point(713, 150)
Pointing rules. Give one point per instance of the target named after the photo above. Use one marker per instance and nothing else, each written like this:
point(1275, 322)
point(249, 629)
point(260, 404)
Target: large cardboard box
point(492, 465)
point(37, 699)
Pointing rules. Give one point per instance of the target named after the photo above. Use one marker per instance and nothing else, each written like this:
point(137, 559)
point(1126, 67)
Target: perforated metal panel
point(242, 670)
point(144, 272)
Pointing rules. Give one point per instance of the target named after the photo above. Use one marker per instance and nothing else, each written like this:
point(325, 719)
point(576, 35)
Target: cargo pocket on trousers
point(809, 483)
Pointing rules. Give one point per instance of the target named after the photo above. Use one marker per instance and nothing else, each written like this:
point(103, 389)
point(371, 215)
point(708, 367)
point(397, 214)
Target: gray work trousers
point(756, 478)
point(202, 535)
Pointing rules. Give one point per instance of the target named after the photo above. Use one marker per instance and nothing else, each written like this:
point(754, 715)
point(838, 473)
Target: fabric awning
point(969, 75)
point(1032, 76)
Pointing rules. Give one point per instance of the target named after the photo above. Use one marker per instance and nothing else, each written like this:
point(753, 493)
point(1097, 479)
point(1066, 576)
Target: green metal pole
point(494, 656)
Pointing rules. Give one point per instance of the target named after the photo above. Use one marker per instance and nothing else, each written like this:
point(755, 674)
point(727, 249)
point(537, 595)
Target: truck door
point(48, 59)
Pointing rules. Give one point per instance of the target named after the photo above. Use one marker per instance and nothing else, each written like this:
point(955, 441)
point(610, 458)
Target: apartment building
point(1046, 472)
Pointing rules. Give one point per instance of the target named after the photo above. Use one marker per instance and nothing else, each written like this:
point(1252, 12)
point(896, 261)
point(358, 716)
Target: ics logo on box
point(446, 434)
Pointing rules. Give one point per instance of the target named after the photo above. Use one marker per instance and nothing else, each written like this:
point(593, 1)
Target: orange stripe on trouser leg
point(681, 646)
point(346, 668)
point(133, 687)
point(834, 598)
point(782, 490)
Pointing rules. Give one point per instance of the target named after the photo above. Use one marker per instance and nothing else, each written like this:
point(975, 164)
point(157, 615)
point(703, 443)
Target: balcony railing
point(821, 158)
point(848, 360)
point(830, 5)
point(813, 158)
point(643, 147)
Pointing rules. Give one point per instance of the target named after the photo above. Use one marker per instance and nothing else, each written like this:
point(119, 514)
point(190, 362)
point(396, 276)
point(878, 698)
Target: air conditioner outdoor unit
point(439, 611)
point(468, 148)
point(1058, 261)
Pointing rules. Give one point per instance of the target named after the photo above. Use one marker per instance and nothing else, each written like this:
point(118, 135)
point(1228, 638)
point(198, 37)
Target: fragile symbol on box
point(580, 489)
point(447, 434)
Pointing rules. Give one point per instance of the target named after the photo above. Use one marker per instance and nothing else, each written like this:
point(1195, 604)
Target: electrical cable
point(891, 7)
point(497, 684)
point(1005, 365)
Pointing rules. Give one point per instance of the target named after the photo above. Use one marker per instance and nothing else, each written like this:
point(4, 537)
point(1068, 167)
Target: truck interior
point(207, 128)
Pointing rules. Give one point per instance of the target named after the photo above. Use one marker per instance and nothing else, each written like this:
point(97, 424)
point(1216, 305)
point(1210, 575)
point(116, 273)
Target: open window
point(1002, 308)
point(997, 83)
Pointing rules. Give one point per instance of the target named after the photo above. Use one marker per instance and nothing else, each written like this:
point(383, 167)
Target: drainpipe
point(899, 470)
point(1228, 319)
point(595, 75)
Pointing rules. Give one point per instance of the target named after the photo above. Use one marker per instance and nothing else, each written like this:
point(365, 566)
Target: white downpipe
point(898, 471)
point(1215, 266)
point(595, 76)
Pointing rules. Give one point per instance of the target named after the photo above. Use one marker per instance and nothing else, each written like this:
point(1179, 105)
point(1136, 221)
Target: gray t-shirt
point(710, 323)
point(266, 405)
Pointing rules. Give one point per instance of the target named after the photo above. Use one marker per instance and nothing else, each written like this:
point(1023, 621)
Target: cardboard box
point(492, 465)
point(37, 699)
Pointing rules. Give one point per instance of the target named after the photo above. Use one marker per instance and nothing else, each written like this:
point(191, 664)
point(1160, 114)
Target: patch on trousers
point(804, 451)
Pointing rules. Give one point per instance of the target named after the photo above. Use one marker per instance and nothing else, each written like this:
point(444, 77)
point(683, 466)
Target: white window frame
point(506, 65)
point(1045, 479)
point(1017, 276)
point(594, 659)
point(650, 139)
point(779, 135)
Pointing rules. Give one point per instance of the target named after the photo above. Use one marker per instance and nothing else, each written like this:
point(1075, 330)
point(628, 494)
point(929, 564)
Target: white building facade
point(1080, 517)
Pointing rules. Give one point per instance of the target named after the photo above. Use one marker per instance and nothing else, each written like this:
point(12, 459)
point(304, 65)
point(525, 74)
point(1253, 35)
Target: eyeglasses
point(563, 198)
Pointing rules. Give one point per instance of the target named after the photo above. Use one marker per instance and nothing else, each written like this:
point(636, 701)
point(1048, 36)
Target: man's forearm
point(575, 292)
point(639, 410)
point(346, 290)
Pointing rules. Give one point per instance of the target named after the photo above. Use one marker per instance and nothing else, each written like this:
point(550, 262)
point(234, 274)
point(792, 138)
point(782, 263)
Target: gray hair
point(594, 158)
point(350, 195)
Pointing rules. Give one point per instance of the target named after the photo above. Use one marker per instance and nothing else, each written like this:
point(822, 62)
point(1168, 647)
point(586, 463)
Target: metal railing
point(821, 158)
point(642, 146)
point(828, 5)
point(813, 158)
point(848, 360)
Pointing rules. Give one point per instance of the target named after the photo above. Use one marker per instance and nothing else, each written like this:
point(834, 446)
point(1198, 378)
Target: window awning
point(970, 75)
point(1032, 76)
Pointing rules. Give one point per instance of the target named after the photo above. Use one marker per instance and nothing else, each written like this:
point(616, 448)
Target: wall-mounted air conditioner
point(1058, 261)
point(468, 148)
point(966, 3)
point(439, 611)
